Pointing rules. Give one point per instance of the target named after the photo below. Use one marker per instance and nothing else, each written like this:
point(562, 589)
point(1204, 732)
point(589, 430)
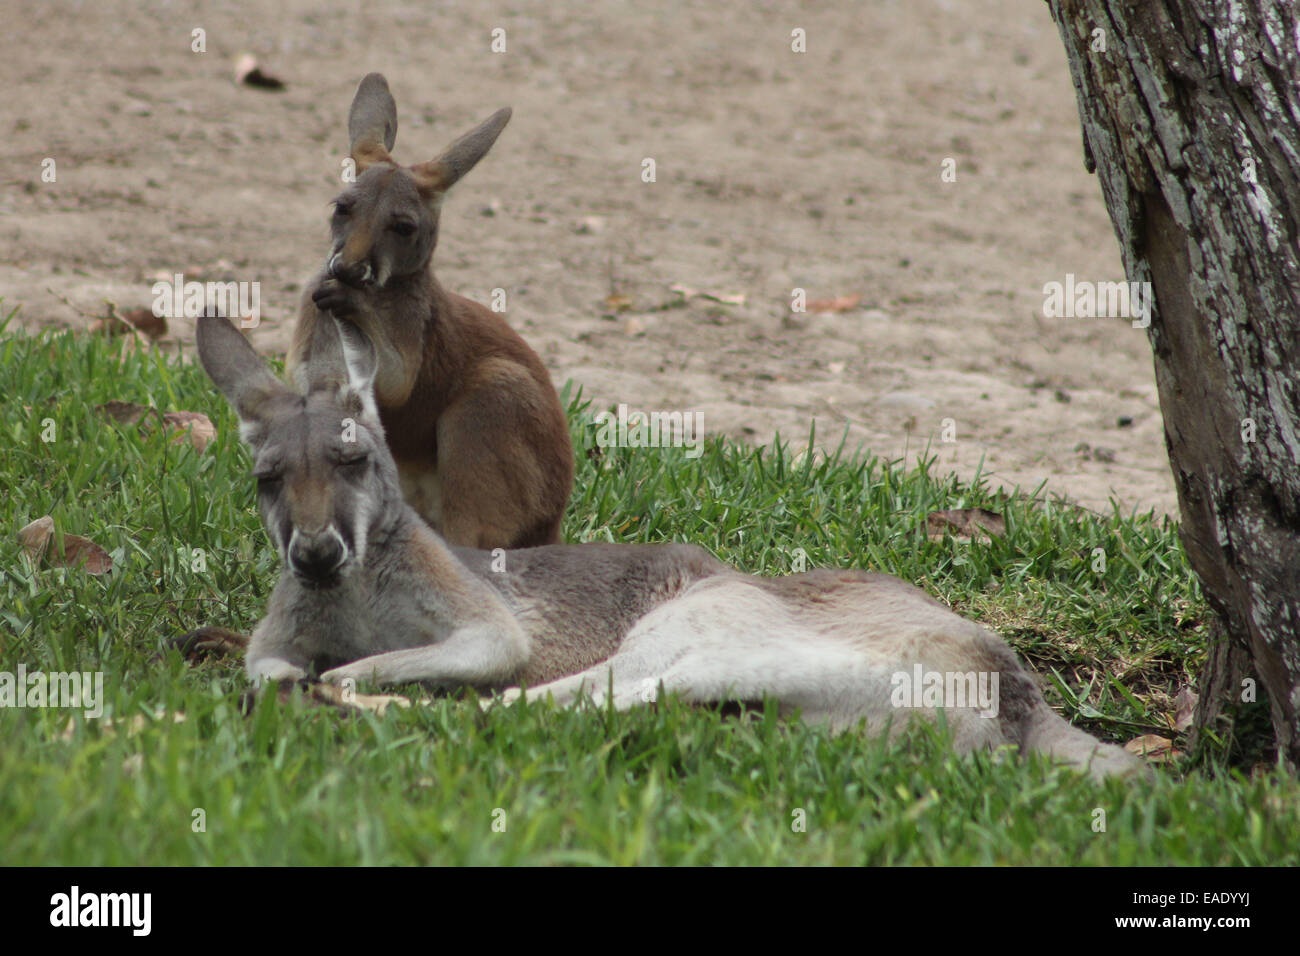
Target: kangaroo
point(481, 443)
point(370, 592)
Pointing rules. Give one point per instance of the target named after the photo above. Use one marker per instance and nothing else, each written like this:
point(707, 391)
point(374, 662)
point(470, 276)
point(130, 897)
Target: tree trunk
point(1191, 119)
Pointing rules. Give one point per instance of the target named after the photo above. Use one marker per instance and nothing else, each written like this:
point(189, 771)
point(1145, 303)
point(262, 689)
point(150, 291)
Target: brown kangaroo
point(468, 409)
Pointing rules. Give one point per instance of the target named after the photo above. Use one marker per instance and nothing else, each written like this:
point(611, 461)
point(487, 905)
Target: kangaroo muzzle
point(355, 274)
point(318, 558)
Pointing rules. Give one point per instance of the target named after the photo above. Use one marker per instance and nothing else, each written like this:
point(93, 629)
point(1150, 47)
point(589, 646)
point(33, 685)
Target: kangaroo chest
point(411, 431)
point(414, 444)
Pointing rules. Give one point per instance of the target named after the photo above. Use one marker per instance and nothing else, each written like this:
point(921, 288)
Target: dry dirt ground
point(775, 170)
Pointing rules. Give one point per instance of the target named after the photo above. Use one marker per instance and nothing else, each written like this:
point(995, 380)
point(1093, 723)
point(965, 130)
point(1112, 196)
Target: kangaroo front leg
point(470, 656)
point(271, 656)
point(274, 668)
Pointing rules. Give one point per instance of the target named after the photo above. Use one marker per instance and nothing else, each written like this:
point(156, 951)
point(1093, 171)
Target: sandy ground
point(775, 170)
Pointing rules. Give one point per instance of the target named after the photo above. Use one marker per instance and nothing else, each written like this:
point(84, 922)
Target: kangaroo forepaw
point(334, 297)
point(276, 669)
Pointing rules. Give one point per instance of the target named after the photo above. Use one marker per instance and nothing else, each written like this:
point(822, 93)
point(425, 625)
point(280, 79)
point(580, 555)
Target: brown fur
point(460, 394)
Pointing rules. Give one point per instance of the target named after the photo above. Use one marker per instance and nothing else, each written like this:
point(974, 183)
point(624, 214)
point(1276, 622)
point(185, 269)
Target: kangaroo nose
point(355, 274)
point(317, 557)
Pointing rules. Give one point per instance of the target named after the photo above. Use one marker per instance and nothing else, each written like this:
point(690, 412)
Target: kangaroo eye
point(403, 228)
point(355, 464)
point(342, 210)
point(268, 481)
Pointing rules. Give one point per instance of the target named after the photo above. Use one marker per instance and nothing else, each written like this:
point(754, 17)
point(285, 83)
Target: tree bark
point(1191, 120)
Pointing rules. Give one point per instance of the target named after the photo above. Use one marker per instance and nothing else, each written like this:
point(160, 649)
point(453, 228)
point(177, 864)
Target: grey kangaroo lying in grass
point(369, 591)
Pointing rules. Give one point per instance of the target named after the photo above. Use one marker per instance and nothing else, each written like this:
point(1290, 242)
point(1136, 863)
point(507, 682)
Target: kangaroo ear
point(322, 366)
point(237, 371)
point(372, 122)
point(440, 174)
point(343, 359)
point(361, 360)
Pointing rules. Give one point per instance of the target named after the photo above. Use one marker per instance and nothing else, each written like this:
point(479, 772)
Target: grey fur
point(584, 622)
point(372, 121)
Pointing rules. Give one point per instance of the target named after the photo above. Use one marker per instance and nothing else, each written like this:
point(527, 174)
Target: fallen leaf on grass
point(1153, 747)
point(839, 304)
point(35, 537)
point(140, 325)
point(195, 426)
point(77, 551)
point(964, 524)
point(617, 303)
point(807, 457)
point(126, 413)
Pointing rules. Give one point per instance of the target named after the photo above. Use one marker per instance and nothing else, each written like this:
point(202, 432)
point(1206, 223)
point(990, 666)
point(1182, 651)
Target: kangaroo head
point(326, 482)
point(385, 224)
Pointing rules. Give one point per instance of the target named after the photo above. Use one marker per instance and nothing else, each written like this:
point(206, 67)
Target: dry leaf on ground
point(964, 524)
point(249, 73)
point(1153, 747)
point(194, 426)
point(125, 413)
point(35, 537)
point(77, 551)
point(143, 320)
point(838, 304)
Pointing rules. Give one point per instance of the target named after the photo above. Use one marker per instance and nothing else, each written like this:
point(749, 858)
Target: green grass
point(289, 783)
